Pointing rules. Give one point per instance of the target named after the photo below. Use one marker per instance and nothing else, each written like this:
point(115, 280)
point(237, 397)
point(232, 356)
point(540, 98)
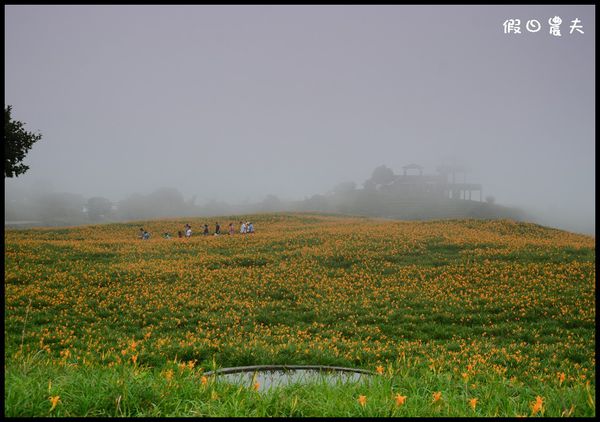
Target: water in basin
point(266, 379)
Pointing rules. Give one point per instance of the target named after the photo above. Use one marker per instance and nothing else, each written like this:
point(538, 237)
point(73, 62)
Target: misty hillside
point(64, 209)
point(385, 194)
point(378, 204)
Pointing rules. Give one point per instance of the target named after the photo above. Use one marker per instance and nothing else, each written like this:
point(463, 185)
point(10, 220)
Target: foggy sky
point(236, 102)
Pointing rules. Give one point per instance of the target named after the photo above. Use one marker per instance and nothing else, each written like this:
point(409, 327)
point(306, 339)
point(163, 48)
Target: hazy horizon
point(233, 103)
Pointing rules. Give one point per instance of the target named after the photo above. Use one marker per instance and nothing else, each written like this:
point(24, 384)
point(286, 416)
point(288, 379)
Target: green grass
point(512, 306)
point(132, 391)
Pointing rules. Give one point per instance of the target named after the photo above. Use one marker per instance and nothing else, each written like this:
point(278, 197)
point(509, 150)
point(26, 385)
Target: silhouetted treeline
point(59, 209)
point(383, 195)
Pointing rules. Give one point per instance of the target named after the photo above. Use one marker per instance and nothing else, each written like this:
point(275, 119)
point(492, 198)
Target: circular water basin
point(265, 377)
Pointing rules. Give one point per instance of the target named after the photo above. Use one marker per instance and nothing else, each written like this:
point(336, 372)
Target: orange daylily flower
point(537, 405)
point(400, 399)
point(362, 400)
point(54, 401)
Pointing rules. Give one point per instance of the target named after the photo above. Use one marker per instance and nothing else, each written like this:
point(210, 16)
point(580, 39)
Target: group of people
point(187, 232)
point(245, 228)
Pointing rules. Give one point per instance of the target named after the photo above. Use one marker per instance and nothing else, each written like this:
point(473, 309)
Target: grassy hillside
point(373, 203)
point(497, 311)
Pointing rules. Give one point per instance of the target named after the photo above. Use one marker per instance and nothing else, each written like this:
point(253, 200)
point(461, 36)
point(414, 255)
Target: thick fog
point(234, 103)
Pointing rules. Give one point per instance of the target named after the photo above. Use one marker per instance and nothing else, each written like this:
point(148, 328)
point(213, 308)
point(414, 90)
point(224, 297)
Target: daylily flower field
point(459, 317)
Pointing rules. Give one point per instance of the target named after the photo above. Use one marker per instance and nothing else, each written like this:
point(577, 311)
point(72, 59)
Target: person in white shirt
point(243, 227)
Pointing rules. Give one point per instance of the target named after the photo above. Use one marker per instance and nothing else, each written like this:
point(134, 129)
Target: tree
point(315, 203)
point(166, 202)
point(369, 185)
point(134, 207)
point(17, 142)
point(270, 203)
point(61, 208)
point(344, 188)
point(382, 175)
point(163, 202)
point(98, 208)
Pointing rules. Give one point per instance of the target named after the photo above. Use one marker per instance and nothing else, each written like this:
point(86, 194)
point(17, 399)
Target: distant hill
point(382, 204)
point(405, 196)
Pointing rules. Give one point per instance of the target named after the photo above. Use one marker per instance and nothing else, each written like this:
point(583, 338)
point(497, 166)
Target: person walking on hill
point(250, 227)
point(231, 229)
point(206, 230)
point(242, 227)
point(217, 229)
